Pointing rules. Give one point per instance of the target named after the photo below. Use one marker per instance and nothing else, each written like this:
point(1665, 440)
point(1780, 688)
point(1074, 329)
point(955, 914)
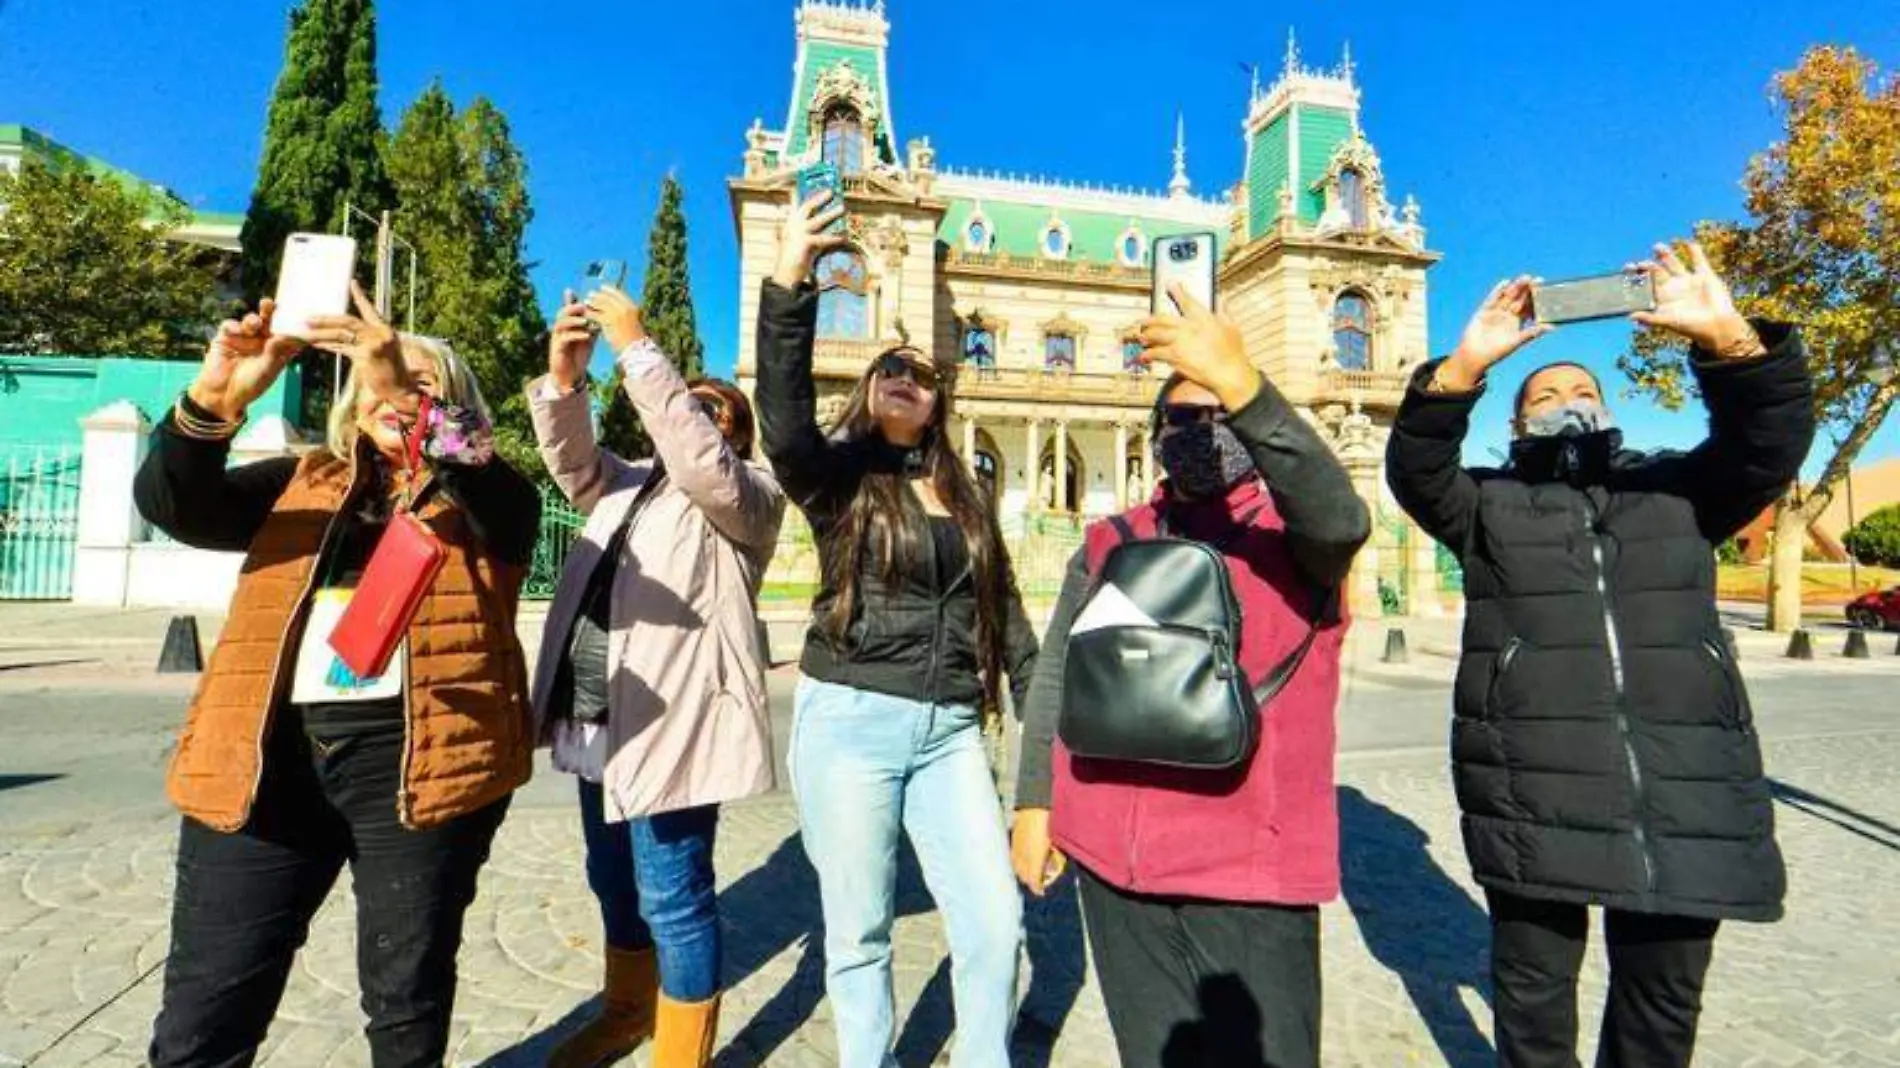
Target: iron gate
point(39, 523)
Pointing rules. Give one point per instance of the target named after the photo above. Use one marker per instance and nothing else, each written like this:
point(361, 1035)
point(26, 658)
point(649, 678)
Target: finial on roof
point(1179, 186)
point(1292, 53)
point(1345, 64)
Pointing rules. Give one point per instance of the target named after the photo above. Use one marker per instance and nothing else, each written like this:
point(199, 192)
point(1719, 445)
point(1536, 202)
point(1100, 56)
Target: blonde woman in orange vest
point(289, 766)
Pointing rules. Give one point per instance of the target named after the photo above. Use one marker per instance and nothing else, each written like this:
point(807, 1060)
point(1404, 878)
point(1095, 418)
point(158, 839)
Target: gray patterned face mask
point(1570, 419)
point(1203, 460)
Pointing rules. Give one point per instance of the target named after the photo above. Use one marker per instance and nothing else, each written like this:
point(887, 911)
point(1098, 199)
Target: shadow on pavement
point(1417, 921)
point(1058, 969)
point(14, 782)
point(1876, 831)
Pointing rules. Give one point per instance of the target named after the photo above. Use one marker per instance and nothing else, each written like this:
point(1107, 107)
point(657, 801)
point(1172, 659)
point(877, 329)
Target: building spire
point(1345, 64)
point(1292, 54)
point(1178, 188)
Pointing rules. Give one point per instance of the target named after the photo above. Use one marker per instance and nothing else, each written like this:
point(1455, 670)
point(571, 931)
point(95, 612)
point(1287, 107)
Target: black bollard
point(181, 654)
point(1856, 648)
point(1728, 642)
point(1395, 647)
point(1801, 646)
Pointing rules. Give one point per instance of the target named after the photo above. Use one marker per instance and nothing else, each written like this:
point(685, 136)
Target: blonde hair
point(454, 384)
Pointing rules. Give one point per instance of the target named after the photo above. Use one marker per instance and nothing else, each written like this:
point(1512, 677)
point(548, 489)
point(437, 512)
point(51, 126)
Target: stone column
point(1063, 504)
point(1032, 463)
point(109, 523)
point(1121, 467)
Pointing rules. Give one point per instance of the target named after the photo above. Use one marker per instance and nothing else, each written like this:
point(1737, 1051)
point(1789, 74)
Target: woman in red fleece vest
point(1200, 888)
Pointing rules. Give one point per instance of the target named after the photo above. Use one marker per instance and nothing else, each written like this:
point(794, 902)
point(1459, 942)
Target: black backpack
point(1152, 673)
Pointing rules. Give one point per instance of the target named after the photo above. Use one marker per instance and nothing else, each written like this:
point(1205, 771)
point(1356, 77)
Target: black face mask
point(1203, 460)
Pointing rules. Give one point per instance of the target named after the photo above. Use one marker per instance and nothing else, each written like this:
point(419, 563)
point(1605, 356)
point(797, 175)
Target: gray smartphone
point(1187, 259)
point(821, 178)
point(1580, 300)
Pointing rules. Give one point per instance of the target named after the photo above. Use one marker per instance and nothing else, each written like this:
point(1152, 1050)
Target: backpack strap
point(1325, 611)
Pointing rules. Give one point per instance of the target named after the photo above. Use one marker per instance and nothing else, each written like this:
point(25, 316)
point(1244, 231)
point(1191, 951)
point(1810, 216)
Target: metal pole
point(1853, 562)
point(384, 274)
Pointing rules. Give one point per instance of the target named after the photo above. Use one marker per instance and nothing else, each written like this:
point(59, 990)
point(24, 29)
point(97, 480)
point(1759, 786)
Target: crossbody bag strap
point(1325, 610)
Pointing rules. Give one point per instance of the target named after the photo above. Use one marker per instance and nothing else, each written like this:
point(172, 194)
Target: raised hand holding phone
point(617, 316)
point(570, 343)
point(313, 281)
point(370, 344)
point(1502, 325)
point(807, 236)
point(1203, 347)
point(242, 363)
point(1694, 303)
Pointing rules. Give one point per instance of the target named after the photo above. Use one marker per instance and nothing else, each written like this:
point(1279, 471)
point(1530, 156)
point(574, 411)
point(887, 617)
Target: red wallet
point(407, 559)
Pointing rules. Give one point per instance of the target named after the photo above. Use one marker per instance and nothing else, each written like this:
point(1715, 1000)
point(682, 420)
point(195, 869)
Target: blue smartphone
point(821, 178)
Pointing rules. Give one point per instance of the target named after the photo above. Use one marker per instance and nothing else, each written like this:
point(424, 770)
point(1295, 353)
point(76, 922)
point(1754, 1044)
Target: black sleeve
point(1326, 522)
point(502, 506)
point(1020, 649)
point(1042, 709)
point(186, 489)
point(1424, 462)
point(1761, 423)
point(813, 472)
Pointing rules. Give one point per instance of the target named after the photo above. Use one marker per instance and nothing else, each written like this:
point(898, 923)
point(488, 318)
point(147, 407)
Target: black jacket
point(916, 638)
point(1602, 743)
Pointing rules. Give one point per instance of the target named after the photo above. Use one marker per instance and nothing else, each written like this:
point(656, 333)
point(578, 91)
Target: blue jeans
point(865, 767)
point(654, 879)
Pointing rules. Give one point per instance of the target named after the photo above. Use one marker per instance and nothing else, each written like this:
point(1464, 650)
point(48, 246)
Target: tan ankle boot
point(685, 1033)
point(626, 1020)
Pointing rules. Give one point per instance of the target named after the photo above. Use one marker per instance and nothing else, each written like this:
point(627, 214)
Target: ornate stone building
point(1035, 285)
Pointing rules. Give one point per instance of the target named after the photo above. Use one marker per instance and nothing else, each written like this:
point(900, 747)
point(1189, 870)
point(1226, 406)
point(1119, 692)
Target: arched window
point(986, 473)
point(979, 346)
point(978, 236)
point(1058, 352)
point(1131, 357)
point(1131, 250)
point(1352, 332)
point(1055, 243)
point(1352, 194)
point(843, 143)
point(843, 306)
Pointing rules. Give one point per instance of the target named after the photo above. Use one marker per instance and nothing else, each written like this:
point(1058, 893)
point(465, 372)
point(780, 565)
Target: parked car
point(1879, 610)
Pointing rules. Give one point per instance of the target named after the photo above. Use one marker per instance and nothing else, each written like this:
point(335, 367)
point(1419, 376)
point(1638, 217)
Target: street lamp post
point(1879, 373)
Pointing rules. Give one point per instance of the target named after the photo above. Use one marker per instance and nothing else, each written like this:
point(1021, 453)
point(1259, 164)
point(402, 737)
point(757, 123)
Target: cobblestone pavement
point(85, 872)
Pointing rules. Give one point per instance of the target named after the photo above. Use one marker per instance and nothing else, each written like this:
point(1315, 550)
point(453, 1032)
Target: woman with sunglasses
point(1201, 888)
point(916, 623)
point(650, 686)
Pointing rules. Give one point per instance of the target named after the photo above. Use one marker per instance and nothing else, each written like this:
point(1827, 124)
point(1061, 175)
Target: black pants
point(244, 901)
point(1198, 984)
point(1657, 964)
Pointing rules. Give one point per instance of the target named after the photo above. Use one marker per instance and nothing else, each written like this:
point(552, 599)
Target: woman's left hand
point(618, 317)
point(1203, 347)
point(1693, 302)
point(371, 345)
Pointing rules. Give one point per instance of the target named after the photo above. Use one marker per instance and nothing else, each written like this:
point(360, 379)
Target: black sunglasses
point(1180, 415)
point(711, 407)
point(897, 365)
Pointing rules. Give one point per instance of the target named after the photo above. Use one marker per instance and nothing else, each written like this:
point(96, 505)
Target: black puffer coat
point(1603, 746)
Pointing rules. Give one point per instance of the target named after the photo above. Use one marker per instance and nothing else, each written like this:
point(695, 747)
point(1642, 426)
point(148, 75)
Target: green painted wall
point(43, 398)
point(821, 56)
point(1322, 131)
point(1265, 171)
point(1093, 236)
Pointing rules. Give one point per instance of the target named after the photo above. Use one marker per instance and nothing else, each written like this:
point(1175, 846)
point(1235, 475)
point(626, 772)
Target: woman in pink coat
point(650, 685)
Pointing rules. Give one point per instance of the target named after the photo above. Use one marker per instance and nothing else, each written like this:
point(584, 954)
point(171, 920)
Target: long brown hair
point(885, 515)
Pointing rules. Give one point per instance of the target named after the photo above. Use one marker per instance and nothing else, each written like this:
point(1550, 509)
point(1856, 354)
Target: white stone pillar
point(1032, 463)
point(1063, 504)
point(109, 523)
point(969, 444)
point(1121, 467)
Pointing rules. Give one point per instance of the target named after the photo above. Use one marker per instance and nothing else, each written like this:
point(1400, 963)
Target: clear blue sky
point(1556, 139)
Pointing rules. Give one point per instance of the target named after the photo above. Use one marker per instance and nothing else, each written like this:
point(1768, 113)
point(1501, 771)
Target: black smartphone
point(1605, 296)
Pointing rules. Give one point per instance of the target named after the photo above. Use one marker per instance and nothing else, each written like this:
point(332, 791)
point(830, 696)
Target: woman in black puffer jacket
point(1602, 746)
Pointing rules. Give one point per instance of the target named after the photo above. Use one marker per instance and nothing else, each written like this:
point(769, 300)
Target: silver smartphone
point(315, 280)
point(1580, 300)
point(1184, 258)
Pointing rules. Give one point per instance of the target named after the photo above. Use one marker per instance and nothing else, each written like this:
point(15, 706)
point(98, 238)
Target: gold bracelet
point(203, 429)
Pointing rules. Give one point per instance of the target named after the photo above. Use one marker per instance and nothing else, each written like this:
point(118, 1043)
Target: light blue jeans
point(865, 767)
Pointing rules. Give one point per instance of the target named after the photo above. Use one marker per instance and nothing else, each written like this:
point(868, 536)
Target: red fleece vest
point(1265, 832)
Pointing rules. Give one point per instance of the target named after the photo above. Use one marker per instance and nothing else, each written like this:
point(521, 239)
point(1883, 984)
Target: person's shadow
point(772, 908)
point(1417, 921)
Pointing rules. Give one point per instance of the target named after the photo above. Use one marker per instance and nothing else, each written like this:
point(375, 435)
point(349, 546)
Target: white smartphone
point(1187, 259)
point(315, 280)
